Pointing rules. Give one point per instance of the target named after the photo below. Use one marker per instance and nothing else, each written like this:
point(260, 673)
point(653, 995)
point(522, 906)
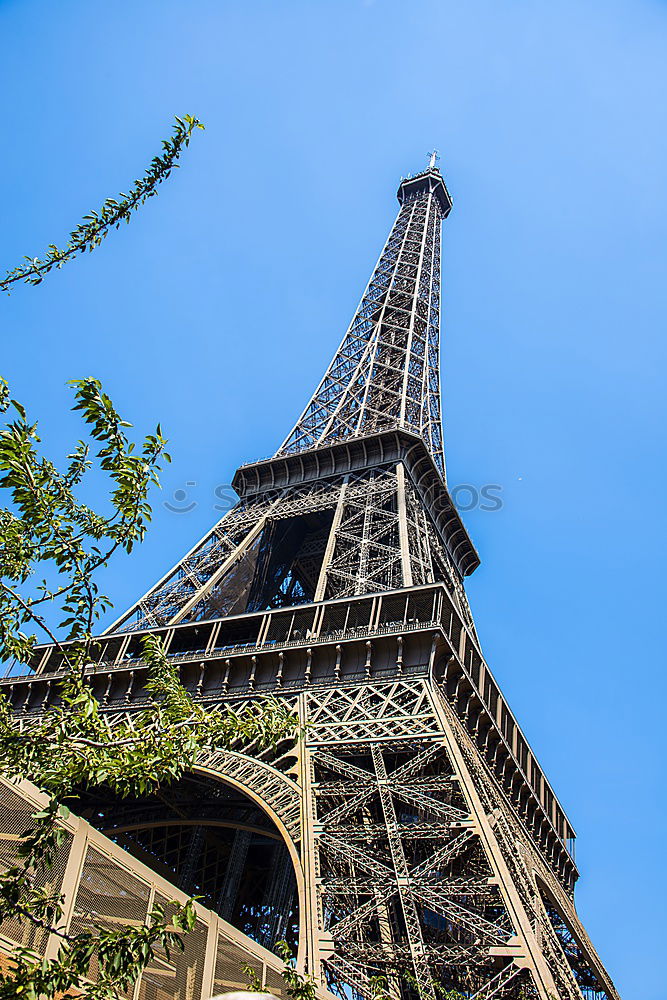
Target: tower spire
point(386, 372)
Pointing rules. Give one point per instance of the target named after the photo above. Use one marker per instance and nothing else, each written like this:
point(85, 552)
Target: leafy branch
point(72, 746)
point(97, 225)
point(47, 525)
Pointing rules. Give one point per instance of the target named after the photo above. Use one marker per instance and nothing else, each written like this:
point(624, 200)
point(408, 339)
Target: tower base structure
point(426, 849)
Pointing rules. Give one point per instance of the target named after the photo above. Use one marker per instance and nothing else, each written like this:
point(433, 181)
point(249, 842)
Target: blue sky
point(217, 310)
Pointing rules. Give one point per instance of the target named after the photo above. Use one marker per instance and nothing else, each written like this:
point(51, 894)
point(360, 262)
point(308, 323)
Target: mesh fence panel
point(455, 632)
point(274, 982)
point(421, 608)
point(278, 627)
point(360, 615)
point(229, 974)
point(393, 611)
point(301, 625)
point(109, 897)
point(335, 619)
point(15, 819)
point(177, 976)
point(475, 666)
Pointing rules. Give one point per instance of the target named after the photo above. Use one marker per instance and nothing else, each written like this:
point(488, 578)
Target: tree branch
point(96, 226)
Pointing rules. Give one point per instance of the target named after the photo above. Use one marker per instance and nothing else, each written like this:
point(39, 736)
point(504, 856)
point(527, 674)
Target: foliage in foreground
point(52, 546)
point(96, 226)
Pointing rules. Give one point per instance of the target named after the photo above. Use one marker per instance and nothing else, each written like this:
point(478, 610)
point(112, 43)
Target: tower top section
point(430, 181)
point(355, 500)
point(385, 374)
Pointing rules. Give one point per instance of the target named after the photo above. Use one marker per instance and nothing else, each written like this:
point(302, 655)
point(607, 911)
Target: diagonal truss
point(442, 912)
point(422, 871)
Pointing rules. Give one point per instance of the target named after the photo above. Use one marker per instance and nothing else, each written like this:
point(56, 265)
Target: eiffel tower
point(411, 844)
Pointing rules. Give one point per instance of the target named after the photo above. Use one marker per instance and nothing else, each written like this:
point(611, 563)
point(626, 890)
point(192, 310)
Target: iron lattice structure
point(422, 839)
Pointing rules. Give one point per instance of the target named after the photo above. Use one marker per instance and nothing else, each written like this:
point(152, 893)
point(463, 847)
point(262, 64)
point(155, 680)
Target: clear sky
point(217, 310)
